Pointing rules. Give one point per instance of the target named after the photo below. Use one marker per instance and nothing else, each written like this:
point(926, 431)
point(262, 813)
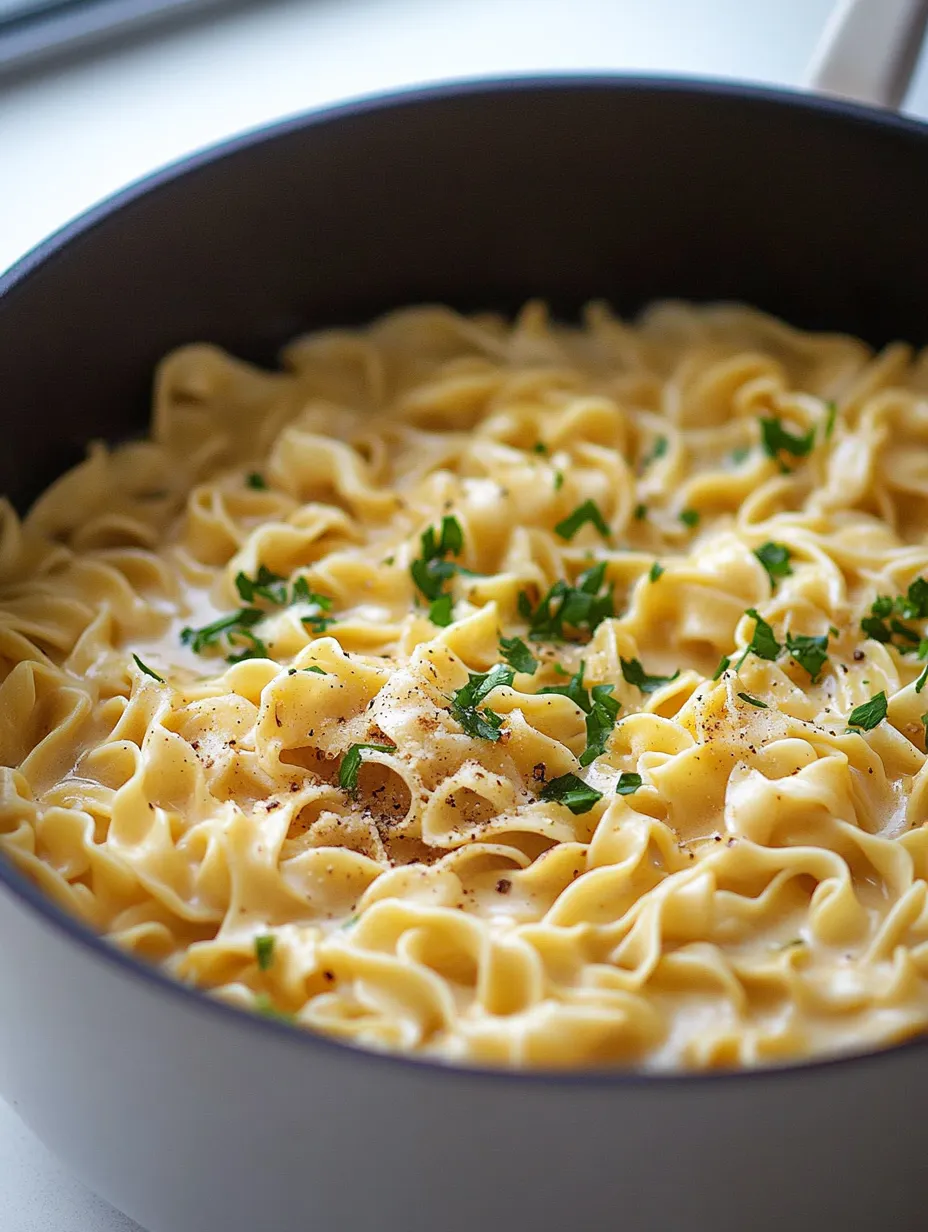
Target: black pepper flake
point(859, 656)
point(503, 886)
point(539, 771)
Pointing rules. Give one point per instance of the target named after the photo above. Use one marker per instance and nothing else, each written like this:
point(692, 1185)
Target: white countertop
point(71, 136)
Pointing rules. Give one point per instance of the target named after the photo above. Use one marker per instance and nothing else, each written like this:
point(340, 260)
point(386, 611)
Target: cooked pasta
point(507, 693)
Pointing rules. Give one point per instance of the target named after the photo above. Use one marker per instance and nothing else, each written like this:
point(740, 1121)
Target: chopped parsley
point(318, 603)
point(482, 724)
point(264, 585)
point(235, 629)
point(264, 951)
point(573, 689)
point(628, 783)
point(778, 440)
point(600, 707)
point(640, 512)
point(657, 450)
point(351, 763)
point(539, 447)
point(256, 481)
point(775, 558)
point(635, 674)
point(763, 643)
point(753, 701)
point(581, 608)
point(830, 417)
point(314, 667)
point(590, 512)
point(925, 722)
point(655, 571)
point(431, 569)
point(253, 648)
point(604, 710)
point(689, 517)
point(518, 655)
point(883, 625)
point(809, 652)
point(724, 665)
point(440, 611)
point(920, 682)
point(143, 667)
point(572, 792)
point(867, 715)
point(228, 631)
point(558, 480)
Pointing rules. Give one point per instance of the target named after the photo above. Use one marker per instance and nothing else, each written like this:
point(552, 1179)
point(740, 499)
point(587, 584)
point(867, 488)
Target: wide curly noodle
point(760, 897)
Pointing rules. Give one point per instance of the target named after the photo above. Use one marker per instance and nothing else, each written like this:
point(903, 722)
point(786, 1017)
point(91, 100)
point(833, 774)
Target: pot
point(192, 1116)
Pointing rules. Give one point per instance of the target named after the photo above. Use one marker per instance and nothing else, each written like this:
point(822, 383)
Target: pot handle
point(868, 50)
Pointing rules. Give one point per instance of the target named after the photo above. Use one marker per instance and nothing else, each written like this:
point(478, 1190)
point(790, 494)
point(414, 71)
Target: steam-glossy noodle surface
point(742, 877)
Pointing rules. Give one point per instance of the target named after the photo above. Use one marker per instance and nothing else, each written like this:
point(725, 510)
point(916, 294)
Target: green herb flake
point(590, 512)
point(920, 682)
point(574, 689)
point(518, 655)
point(915, 604)
point(657, 450)
point(431, 569)
point(635, 674)
point(776, 440)
point(440, 611)
point(264, 951)
point(236, 623)
point(558, 480)
point(640, 512)
point(883, 626)
point(740, 454)
point(581, 607)
point(831, 415)
point(724, 665)
point(572, 792)
point(539, 447)
point(655, 571)
point(256, 481)
point(775, 558)
point(600, 722)
point(252, 647)
point(314, 667)
point(482, 724)
point(867, 715)
point(264, 585)
point(690, 518)
point(763, 643)
point(351, 763)
point(143, 667)
point(314, 619)
point(810, 653)
point(753, 701)
point(628, 783)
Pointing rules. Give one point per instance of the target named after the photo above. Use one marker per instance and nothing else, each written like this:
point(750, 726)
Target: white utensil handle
point(868, 50)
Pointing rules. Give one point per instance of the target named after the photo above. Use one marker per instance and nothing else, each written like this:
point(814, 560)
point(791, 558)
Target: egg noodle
point(504, 692)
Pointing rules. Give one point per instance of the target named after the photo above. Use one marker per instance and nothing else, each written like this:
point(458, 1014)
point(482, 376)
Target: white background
point(72, 135)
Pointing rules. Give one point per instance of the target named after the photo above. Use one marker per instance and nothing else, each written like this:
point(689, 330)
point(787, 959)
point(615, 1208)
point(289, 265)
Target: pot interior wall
point(479, 197)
